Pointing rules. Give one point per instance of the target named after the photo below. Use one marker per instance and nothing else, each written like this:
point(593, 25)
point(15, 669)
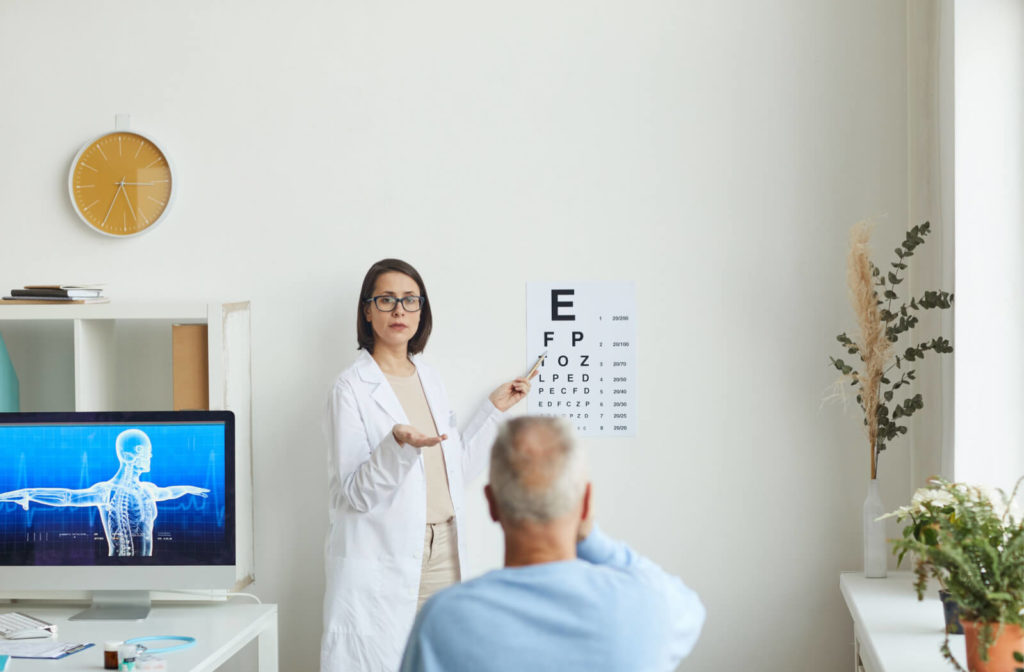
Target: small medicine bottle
point(110, 655)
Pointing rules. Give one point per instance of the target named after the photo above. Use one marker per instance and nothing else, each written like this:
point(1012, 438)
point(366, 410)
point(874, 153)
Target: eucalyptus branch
point(891, 293)
point(894, 365)
point(938, 344)
point(931, 300)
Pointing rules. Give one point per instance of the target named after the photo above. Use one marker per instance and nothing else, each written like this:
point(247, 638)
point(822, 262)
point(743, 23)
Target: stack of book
point(45, 294)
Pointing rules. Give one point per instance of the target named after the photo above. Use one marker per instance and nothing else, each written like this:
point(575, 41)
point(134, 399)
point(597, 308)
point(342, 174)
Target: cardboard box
point(191, 373)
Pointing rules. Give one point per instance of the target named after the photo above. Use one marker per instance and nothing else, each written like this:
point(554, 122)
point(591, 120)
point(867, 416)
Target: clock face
point(121, 184)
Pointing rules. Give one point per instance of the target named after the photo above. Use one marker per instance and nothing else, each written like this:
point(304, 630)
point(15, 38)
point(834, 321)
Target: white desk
point(893, 632)
point(221, 630)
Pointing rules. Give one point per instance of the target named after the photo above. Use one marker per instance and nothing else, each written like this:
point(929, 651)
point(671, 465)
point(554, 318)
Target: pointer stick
point(536, 365)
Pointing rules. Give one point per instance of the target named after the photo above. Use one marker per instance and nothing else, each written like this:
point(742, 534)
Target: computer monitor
point(118, 504)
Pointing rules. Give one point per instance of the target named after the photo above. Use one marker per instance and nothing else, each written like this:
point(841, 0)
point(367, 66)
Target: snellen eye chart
point(589, 376)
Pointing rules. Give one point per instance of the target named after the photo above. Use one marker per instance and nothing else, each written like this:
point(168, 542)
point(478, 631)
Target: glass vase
point(875, 551)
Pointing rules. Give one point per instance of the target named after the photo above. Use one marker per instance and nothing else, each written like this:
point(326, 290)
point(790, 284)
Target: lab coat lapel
point(382, 393)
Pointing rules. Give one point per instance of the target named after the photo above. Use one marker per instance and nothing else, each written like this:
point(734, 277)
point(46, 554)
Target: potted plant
point(926, 507)
point(972, 539)
point(884, 375)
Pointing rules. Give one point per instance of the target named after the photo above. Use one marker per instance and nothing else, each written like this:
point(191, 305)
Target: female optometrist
point(396, 468)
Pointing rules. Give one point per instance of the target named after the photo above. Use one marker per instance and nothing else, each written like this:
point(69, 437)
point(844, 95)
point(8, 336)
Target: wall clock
point(122, 183)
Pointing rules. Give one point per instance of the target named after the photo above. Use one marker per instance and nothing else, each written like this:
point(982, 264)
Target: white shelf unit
point(117, 357)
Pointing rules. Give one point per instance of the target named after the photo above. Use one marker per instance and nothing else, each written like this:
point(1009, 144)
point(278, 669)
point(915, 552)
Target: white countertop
point(896, 632)
point(220, 630)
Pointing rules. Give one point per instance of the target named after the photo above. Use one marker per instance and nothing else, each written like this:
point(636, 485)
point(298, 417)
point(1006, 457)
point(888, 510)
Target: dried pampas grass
point(873, 343)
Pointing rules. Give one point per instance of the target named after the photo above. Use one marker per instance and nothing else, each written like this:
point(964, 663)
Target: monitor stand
point(116, 605)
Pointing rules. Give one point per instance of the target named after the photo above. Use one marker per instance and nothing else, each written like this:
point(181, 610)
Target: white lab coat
point(377, 490)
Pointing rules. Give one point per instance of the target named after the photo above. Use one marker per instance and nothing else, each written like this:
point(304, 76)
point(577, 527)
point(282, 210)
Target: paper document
point(49, 648)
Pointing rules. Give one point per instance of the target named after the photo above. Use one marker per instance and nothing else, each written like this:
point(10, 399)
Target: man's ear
point(586, 503)
point(492, 504)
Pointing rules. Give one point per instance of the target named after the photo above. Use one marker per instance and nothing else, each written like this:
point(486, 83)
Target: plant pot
point(951, 610)
point(875, 551)
point(1000, 654)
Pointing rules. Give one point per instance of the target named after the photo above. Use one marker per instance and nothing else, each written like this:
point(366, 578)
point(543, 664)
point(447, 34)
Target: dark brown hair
point(364, 330)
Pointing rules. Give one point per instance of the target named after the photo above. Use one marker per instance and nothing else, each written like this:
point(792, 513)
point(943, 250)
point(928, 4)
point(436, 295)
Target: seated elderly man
point(569, 597)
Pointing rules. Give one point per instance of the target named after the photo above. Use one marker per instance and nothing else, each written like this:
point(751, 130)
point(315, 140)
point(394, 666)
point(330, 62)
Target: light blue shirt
point(610, 609)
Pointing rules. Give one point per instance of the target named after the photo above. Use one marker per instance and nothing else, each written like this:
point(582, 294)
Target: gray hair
point(540, 479)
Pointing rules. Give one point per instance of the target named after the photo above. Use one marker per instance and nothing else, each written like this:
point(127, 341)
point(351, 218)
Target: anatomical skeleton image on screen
point(127, 505)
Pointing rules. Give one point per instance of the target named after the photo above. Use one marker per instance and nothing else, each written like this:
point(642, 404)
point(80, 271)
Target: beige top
point(410, 394)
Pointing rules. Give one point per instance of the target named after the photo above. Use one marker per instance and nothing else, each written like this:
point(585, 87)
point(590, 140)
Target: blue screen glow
point(94, 493)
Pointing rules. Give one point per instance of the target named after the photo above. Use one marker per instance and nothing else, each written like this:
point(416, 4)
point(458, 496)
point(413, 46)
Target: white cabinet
point(117, 357)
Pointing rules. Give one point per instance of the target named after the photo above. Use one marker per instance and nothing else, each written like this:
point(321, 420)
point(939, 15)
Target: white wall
point(988, 173)
point(930, 156)
point(714, 152)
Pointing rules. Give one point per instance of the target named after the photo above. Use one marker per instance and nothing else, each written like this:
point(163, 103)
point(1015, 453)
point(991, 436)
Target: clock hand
point(112, 203)
point(128, 201)
point(132, 184)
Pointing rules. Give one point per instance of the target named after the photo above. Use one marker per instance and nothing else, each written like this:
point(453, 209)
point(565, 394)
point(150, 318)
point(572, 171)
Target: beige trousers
point(440, 560)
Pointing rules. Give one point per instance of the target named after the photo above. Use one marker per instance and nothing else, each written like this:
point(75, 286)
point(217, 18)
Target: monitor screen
point(124, 497)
